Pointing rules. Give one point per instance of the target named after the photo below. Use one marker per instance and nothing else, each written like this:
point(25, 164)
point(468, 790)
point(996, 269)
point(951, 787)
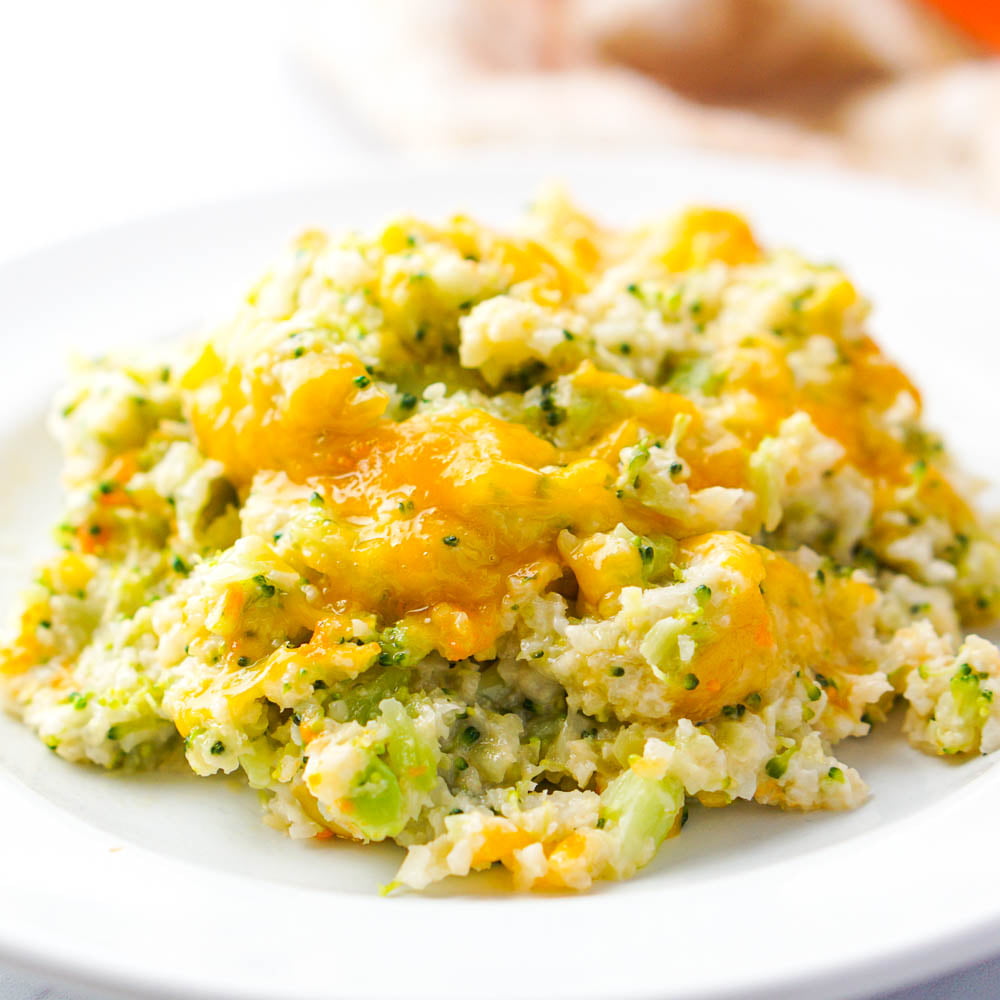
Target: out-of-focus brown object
point(892, 85)
point(795, 52)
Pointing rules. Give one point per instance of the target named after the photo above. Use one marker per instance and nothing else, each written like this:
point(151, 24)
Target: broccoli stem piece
point(640, 811)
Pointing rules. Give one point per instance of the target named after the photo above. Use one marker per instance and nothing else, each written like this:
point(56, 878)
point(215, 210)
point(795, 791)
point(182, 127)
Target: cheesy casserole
point(506, 546)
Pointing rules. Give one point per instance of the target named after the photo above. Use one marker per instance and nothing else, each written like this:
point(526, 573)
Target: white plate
point(170, 886)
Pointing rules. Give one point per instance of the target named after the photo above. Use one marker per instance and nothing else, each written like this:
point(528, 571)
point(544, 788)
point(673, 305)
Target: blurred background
point(116, 109)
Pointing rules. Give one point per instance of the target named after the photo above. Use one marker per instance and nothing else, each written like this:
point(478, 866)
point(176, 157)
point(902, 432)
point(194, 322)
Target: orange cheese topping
point(702, 235)
point(430, 520)
point(841, 408)
point(255, 413)
point(774, 619)
point(742, 657)
point(433, 517)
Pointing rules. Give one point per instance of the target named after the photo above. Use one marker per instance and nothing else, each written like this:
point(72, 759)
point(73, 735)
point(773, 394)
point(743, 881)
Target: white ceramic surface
point(168, 885)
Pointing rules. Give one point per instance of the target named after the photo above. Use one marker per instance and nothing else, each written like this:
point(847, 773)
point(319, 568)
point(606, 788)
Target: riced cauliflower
point(506, 546)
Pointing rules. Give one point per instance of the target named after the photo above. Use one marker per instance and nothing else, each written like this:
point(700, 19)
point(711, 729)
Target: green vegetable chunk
point(640, 811)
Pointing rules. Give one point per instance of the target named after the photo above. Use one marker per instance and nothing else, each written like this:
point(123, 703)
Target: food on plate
point(505, 546)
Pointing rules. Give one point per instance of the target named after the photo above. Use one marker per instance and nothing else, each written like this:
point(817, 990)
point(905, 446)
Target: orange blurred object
point(980, 18)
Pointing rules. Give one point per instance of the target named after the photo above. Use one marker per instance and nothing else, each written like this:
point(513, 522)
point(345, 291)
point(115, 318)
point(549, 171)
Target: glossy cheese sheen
point(437, 513)
point(432, 519)
point(257, 412)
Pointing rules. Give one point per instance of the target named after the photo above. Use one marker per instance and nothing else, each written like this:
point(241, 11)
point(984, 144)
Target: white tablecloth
point(114, 110)
point(979, 983)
